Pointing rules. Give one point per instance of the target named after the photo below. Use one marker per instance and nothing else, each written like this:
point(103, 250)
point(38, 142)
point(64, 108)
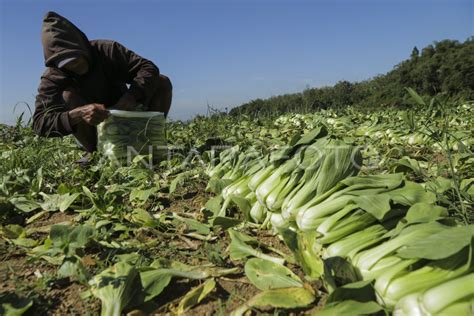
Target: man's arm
point(92, 114)
point(140, 73)
point(51, 118)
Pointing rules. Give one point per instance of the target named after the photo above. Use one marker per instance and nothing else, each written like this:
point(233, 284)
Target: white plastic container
point(126, 134)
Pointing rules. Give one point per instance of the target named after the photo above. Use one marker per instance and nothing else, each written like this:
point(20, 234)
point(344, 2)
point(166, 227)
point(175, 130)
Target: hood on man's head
point(65, 61)
point(62, 40)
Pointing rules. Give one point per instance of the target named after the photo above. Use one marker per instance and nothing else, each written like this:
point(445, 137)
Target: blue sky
point(229, 52)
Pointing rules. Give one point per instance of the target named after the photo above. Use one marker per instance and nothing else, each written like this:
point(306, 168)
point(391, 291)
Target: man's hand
point(92, 114)
point(126, 103)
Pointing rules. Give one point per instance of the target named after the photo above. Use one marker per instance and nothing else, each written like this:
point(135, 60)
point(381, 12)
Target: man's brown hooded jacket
point(111, 67)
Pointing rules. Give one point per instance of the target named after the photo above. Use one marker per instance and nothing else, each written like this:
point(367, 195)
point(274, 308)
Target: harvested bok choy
point(455, 297)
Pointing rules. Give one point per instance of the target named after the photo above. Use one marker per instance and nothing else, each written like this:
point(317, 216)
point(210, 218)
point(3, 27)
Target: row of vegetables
point(389, 231)
point(364, 201)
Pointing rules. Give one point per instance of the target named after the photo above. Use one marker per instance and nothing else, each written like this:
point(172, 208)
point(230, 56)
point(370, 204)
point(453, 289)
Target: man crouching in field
point(84, 78)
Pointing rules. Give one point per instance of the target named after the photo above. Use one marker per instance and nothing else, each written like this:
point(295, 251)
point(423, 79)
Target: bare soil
point(37, 279)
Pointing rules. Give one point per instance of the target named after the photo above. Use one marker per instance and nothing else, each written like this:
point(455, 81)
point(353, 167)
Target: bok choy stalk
point(339, 162)
point(278, 176)
point(260, 176)
point(275, 199)
point(332, 220)
point(386, 264)
point(306, 189)
point(219, 170)
point(258, 212)
point(464, 307)
point(287, 212)
point(308, 219)
point(270, 200)
point(351, 223)
point(454, 297)
point(394, 285)
point(240, 188)
point(311, 163)
point(236, 171)
point(278, 222)
point(243, 163)
point(352, 244)
point(342, 194)
point(227, 160)
point(366, 259)
point(252, 165)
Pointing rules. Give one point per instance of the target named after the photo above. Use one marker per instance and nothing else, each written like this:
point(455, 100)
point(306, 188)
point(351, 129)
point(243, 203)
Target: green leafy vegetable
point(282, 298)
point(116, 288)
point(239, 249)
point(266, 275)
point(196, 295)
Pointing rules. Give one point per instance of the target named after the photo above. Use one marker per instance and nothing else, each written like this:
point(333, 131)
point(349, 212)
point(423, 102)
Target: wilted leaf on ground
point(292, 297)
point(196, 295)
point(116, 287)
point(239, 249)
point(266, 275)
point(24, 204)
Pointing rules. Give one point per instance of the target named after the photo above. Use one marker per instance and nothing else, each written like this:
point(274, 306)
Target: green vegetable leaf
point(73, 267)
point(309, 137)
point(154, 282)
point(377, 205)
point(424, 212)
point(179, 180)
point(194, 225)
point(68, 239)
point(66, 200)
point(239, 249)
point(387, 181)
point(296, 297)
point(141, 216)
point(196, 295)
point(217, 185)
point(140, 195)
point(440, 245)
point(24, 204)
point(214, 204)
point(439, 185)
point(361, 291)
point(411, 193)
point(116, 287)
point(243, 204)
point(339, 271)
point(301, 244)
point(225, 222)
point(266, 275)
point(350, 307)
point(55, 202)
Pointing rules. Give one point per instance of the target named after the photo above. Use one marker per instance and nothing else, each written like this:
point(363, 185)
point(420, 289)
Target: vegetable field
point(331, 213)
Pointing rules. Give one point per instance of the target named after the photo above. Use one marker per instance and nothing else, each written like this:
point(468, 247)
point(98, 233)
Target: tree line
point(445, 67)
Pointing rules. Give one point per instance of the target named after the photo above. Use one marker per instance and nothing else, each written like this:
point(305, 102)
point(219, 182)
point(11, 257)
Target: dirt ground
point(25, 276)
